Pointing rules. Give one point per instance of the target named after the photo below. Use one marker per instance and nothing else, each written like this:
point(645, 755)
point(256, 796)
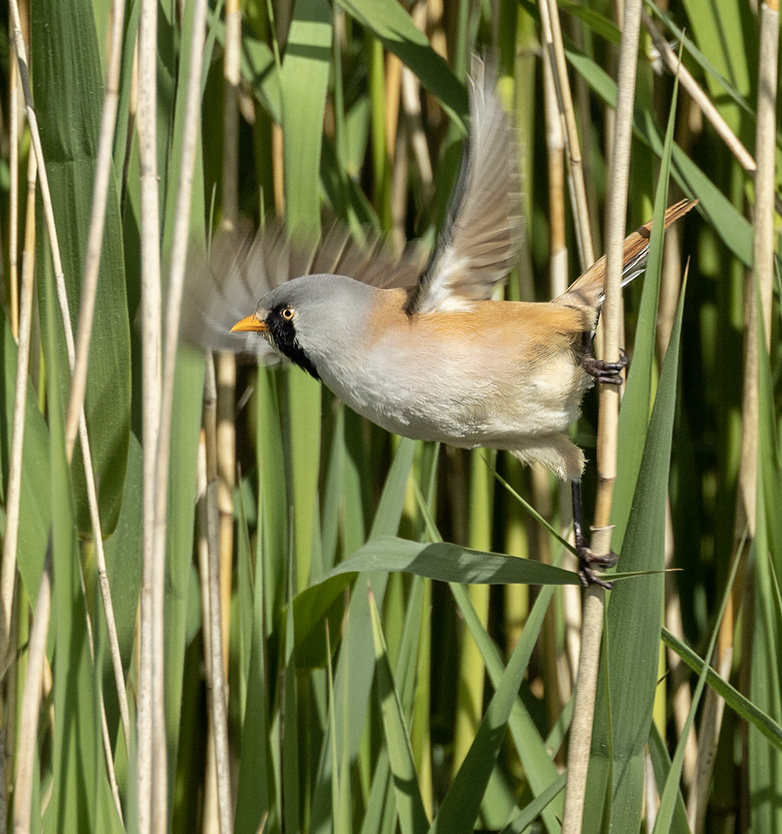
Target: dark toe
point(588, 562)
point(589, 577)
point(605, 372)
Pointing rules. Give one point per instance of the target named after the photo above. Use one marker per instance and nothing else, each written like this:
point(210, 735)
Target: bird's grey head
point(312, 320)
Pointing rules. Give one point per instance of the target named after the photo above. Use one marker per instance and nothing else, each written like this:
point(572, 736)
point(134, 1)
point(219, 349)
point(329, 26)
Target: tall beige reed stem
point(152, 775)
point(175, 289)
point(13, 190)
point(221, 466)
point(558, 282)
point(25, 760)
point(26, 732)
point(763, 255)
point(209, 523)
point(14, 488)
point(226, 362)
point(552, 43)
point(594, 602)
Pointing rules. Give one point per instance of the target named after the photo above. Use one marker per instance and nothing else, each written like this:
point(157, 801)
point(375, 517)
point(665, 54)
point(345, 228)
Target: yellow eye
point(287, 313)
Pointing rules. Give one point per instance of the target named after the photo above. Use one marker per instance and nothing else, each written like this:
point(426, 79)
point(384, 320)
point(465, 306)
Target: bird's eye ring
point(287, 313)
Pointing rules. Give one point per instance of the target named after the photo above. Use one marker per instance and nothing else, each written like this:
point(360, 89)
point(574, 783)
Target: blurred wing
point(222, 287)
point(479, 243)
point(242, 268)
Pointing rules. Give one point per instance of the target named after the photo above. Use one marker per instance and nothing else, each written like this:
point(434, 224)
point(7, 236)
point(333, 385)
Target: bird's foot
point(606, 372)
point(589, 562)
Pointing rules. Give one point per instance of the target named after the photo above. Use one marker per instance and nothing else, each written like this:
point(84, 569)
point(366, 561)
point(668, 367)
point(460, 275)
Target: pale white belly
point(449, 398)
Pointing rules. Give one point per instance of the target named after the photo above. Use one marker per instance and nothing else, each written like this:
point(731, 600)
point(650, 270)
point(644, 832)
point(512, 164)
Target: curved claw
point(588, 561)
point(606, 372)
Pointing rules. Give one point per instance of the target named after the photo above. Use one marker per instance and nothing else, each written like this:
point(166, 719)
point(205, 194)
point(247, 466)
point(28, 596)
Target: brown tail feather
point(588, 289)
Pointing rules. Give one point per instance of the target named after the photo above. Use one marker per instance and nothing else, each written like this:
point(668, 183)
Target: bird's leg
point(606, 372)
point(587, 560)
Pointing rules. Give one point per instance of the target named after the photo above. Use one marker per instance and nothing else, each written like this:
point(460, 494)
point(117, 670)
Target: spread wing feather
point(479, 243)
point(474, 253)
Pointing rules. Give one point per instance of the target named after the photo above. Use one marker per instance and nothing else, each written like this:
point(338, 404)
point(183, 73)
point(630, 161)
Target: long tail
point(589, 288)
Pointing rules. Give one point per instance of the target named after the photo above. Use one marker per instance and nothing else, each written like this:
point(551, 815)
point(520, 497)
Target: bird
point(429, 353)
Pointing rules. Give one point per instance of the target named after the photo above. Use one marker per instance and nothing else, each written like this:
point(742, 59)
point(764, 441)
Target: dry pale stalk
point(698, 95)
point(152, 775)
point(226, 363)
point(555, 146)
point(8, 726)
point(166, 392)
point(552, 43)
point(28, 725)
point(765, 149)
point(436, 28)
point(216, 688)
point(670, 287)
point(411, 103)
point(757, 294)
point(763, 255)
point(583, 709)
point(14, 488)
point(12, 523)
point(231, 78)
point(209, 811)
point(713, 709)
point(581, 729)
point(702, 100)
point(28, 260)
point(399, 181)
point(105, 734)
point(13, 192)
point(217, 799)
point(226, 455)
point(9, 586)
point(558, 281)
point(393, 94)
point(278, 170)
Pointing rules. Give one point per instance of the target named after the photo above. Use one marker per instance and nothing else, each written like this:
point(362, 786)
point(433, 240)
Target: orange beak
point(251, 322)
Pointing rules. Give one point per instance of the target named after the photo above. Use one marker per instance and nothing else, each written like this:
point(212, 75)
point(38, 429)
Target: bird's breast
point(487, 376)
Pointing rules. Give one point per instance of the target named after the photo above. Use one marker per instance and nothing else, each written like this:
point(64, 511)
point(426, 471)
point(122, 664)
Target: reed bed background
point(228, 603)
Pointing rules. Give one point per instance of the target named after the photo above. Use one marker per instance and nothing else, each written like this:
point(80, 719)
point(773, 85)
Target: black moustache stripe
point(283, 334)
